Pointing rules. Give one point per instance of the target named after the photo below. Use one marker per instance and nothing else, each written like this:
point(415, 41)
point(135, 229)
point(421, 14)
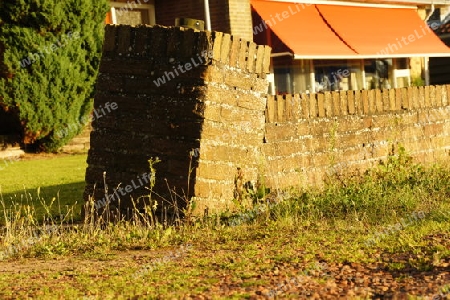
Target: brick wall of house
point(167, 10)
point(241, 19)
point(228, 16)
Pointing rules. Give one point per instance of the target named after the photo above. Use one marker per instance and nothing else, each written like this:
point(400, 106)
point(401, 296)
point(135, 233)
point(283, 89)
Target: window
point(387, 73)
point(131, 12)
point(291, 76)
point(378, 73)
point(336, 75)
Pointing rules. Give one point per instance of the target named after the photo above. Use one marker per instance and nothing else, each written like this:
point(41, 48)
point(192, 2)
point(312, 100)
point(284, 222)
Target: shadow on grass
point(60, 200)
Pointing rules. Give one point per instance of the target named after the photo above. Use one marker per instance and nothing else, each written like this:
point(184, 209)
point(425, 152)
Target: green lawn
point(384, 234)
point(59, 177)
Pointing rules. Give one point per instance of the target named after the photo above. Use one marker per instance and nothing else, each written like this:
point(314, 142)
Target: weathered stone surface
point(206, 122)
point(167, 110)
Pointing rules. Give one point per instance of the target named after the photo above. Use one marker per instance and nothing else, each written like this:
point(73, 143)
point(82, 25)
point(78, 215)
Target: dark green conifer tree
point(49, 56)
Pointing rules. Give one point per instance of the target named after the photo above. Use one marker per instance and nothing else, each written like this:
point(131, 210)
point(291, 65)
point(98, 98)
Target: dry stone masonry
point(203, 123)
point(197, 102)
point(310, 137)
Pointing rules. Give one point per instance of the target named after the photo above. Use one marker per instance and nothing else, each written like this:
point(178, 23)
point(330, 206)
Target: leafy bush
point(49, 57)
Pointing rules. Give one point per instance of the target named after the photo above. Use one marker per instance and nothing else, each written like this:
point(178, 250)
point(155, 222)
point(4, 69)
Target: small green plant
point(417, 81)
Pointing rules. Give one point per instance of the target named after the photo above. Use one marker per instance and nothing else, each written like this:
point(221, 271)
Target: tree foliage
point(49, 56)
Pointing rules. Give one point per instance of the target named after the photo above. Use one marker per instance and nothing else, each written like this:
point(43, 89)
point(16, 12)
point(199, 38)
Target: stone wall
point(80, 143)
point(309, 137)
point(194, 100)
point(233, 126)
point(197, 101)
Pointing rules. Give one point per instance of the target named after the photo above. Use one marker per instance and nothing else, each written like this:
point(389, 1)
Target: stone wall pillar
point(193, 100)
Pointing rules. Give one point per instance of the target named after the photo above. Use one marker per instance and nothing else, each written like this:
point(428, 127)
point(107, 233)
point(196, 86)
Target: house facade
point(317, 45)
point(440, 66)
point(230, 16)
point(348, 45)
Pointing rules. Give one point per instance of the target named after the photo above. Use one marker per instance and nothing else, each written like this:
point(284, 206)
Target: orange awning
point(326, 31)
point(301, 28)
point(383, 32)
